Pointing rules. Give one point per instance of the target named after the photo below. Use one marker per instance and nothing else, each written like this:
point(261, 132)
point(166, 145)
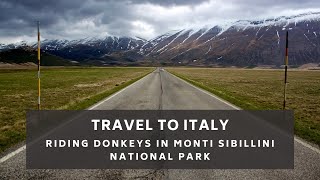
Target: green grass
point(263, 89)
point(62, 88)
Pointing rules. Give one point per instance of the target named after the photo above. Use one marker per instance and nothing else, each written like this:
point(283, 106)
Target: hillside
point(242, 43)
point(21, 55)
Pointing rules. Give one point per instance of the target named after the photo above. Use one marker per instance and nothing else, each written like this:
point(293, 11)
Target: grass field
point(63, 88)
point(263, 89)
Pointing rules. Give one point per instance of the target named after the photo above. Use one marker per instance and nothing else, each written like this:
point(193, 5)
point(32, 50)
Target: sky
point(74, 19)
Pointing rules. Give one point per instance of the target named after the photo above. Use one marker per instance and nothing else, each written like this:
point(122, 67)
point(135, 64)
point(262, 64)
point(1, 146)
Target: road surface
point(162, 90)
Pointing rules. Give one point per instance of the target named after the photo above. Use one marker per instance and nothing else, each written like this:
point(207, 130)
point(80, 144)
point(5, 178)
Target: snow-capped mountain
point(82, 48)
point(91, 47)
point(243, 42)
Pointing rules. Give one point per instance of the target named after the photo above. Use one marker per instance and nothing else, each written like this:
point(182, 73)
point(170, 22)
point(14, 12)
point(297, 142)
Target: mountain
point(25, 55)
point(83, 49)
point(90, 48)
point(240, 43)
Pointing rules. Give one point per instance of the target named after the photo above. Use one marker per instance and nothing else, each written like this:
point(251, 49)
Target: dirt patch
point(310, 66)
point(88, 85)
point(17, 66)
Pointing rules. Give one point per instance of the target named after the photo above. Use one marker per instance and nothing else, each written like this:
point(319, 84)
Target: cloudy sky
point(72, 19)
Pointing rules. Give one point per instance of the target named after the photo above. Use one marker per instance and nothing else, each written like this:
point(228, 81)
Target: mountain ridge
point(242, 42)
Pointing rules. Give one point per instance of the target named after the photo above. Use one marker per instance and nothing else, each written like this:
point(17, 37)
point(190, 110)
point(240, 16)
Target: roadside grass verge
point(263, 89)
point(61, 88)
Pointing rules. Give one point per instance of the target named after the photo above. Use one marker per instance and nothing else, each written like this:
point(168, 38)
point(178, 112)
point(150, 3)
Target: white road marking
point(307, 145)
point(10, 155)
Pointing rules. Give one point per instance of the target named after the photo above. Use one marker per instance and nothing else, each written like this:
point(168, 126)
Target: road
point(162, 90)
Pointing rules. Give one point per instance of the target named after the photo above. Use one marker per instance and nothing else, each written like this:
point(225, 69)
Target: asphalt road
point(162, 90)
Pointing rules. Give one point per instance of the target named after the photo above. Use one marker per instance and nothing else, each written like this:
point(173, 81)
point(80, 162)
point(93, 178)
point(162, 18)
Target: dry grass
point(63, 88)
point(263, 89)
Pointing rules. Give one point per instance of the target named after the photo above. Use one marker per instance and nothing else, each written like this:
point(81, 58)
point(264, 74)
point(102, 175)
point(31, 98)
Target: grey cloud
point(59, 18)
